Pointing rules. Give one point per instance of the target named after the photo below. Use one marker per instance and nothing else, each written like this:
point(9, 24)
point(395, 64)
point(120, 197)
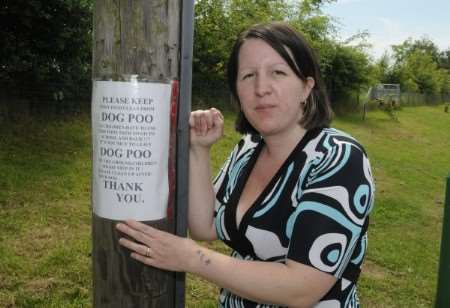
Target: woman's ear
point(310, 83)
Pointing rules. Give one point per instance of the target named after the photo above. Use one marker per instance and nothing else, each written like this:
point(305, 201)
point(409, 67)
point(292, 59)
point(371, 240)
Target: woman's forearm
point(201, 195)
point(291, 284)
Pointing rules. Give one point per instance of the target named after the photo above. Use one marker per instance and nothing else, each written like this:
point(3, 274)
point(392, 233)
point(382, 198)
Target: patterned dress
point(313, 211)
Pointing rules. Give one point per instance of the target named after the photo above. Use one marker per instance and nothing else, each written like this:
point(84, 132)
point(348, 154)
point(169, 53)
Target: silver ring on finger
point(147, 252)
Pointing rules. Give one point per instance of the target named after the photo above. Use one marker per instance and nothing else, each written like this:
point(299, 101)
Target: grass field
point(45, 214)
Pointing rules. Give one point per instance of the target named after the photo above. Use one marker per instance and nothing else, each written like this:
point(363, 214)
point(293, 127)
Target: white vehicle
point(385, 93)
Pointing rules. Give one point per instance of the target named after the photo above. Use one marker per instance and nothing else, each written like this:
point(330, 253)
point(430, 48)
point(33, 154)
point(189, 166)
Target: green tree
point(444, 59)
point(420, 66)
point(210, 34)
point(308, 17)
point(346, 67)
point(45, 42)
point(383, 70)
point(348, 71)
point(217, 24)
point(409, 46)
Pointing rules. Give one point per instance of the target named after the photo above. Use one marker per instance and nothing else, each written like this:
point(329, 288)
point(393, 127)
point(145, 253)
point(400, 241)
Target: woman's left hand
point(157, 248)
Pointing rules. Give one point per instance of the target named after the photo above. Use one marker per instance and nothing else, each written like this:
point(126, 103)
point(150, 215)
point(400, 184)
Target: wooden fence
point(412, 99)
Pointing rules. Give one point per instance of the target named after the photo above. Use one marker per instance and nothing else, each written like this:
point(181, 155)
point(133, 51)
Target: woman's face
point(269, 91)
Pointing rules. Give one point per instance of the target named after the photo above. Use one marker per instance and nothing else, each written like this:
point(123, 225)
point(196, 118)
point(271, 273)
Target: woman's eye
point(246, 76)
point(279, 73)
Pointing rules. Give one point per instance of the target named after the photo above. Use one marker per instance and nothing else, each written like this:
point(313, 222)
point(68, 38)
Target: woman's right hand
point(206, 127)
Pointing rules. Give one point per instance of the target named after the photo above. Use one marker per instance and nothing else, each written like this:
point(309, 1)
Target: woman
point(293, 198)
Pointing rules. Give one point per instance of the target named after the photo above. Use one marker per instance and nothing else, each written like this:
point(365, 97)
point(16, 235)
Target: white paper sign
point(130, 132)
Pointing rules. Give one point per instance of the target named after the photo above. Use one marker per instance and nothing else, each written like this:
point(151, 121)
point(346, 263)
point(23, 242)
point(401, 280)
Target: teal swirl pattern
point(314, 211)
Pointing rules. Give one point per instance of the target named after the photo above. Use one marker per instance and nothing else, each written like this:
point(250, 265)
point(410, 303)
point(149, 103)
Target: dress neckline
point(255, 206)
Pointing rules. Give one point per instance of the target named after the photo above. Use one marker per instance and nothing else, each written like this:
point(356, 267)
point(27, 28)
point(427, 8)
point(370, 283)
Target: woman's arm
point(206, 129)
point(201, 196)
point(292, 284)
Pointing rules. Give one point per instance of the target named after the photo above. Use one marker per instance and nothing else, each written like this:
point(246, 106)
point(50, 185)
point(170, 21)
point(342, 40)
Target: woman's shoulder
point(331, 138)
point(242, 150)
point(238, 158)
point(337, 159)
point(246, 144)
point(335, 153)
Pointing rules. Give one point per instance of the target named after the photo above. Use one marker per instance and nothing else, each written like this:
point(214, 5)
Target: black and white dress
point(313, 211)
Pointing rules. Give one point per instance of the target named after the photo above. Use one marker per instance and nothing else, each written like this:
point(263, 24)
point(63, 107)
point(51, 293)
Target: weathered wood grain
point(140, 38)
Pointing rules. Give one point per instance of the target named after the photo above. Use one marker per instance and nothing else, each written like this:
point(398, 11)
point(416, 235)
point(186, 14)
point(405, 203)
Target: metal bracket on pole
point(184, 110)
point(443, 286)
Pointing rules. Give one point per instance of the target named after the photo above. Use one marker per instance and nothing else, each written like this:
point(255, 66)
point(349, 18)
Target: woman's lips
point(264, 107)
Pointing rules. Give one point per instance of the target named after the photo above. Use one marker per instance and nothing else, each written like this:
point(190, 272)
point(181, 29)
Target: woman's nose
point(262, 85)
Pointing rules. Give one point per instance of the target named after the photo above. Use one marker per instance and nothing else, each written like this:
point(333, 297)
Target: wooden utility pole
point(137, 47)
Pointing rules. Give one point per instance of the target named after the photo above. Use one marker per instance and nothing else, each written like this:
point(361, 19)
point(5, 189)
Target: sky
point(392, 22)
